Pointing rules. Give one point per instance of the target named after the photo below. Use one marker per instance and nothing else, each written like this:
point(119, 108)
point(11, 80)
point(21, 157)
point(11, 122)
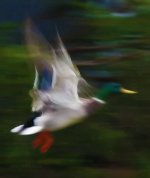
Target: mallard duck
point(56, 100)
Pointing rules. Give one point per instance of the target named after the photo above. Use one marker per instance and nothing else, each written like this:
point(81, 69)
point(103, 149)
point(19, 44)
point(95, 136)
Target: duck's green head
point(112, 88)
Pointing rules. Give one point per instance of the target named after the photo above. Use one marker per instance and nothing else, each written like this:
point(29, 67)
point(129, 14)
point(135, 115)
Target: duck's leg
point(38, 140)
point(44, 139)
point(48, 141)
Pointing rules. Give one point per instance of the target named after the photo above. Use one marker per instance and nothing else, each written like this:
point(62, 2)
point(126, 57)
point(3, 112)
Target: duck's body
point(53, 117)
point(57, 118)
point(56, 101)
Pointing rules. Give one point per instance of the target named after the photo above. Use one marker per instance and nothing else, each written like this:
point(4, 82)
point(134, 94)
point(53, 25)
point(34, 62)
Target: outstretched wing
point(56, 77)
point(63, 55)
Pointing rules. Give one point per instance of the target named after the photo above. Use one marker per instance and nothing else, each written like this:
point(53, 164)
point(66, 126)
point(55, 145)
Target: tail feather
point(17, 129)
point(31, 130)
point(28, 128)
point(26, 131)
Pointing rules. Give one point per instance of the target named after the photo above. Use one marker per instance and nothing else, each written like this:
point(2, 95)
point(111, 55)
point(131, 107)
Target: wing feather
point(56, 77)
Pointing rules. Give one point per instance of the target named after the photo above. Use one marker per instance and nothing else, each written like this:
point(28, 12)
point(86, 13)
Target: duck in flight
point(57, 101)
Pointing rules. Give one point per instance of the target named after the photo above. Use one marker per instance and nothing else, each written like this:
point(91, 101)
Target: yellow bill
point(123, 90)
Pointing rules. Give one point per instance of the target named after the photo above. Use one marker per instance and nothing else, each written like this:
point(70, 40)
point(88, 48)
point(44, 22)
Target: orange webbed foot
point(43, 139)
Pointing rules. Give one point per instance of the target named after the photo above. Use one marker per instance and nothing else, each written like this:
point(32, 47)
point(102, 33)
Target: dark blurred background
point(109, 40)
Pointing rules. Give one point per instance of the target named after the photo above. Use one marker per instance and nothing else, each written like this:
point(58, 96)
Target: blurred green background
point(112, 143)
